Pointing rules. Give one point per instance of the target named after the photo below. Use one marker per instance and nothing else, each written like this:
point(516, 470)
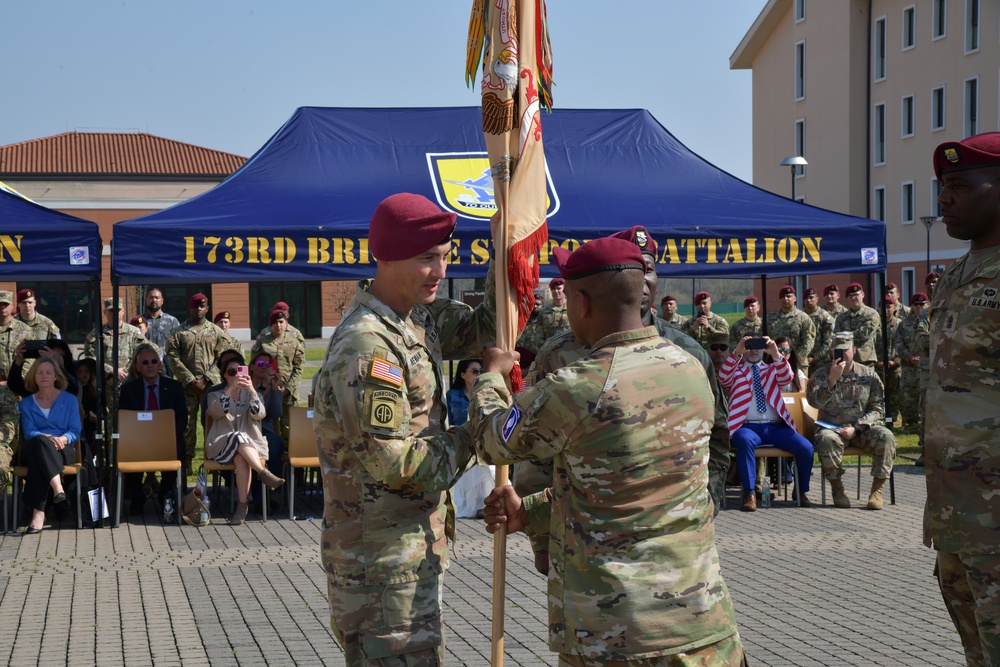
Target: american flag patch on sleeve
point(389, 372)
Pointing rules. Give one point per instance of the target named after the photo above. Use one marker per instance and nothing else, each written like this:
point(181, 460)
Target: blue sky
point(226, 74)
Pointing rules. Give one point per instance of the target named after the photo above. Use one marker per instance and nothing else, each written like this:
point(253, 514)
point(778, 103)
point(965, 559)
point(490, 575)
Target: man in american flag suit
point(757, 415)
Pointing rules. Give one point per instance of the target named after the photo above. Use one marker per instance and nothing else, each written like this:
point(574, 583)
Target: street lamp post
point(794, 163)
point(928, 221)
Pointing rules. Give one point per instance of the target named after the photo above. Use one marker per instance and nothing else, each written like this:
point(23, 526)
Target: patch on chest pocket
point(383, 409)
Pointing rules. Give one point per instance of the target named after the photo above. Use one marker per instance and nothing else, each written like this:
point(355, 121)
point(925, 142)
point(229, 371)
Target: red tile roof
point(114, 154)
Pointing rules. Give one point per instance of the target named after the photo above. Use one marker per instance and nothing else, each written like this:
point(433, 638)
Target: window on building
point(800, 144)
point(906, 121)
point(800, 70)
point(879, 134)
point(971, 25)
point(909, 27)
point(907, 203)
point(880, 49)
point(800, 10)
point(971, 107)
point(909, 285)
point(940, 26)
point(878, 205)
point(937, 109)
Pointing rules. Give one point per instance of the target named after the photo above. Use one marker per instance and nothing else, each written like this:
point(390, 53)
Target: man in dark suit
point(153, 390)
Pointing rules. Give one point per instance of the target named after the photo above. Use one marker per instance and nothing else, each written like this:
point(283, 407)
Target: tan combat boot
point(875, 497)
point(840, 498)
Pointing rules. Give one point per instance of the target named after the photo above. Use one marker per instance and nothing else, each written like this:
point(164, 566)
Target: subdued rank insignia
point(384, 409)
point(951, 155)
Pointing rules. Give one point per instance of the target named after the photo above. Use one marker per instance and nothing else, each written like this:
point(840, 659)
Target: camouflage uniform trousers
point(923, 378)
point(892, 381)
point(397, 625)
point(726, 653)
point(877, 441)
point(718, 469)
point(970, 585)
point(6, 456)
point(909, 396)
point(192, 401)
point(287, 403)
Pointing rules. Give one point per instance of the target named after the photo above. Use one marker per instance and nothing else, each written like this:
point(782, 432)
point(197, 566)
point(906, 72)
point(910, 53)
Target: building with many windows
point(864, 90)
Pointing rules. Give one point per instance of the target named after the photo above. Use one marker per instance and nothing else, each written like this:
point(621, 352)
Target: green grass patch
point(315, 353)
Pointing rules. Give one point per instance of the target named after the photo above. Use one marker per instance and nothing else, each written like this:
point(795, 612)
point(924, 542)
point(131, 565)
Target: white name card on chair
point(789, 400)
point(144, 416)
point(309, 414)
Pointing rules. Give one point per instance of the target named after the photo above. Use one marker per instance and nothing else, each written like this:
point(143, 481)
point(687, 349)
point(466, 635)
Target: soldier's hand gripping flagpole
point(511, 36)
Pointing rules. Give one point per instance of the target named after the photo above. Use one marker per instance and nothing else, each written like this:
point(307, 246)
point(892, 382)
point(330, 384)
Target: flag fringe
point(522, 276)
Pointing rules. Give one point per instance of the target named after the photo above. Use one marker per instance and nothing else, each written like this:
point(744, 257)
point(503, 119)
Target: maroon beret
point(854, 287)
point(597, 256)
point(556, 282)
point(275, 316)
point(639, 236)
point(887, 300)
point(221, 315)
point(810, 291)
point(890, 286)
point(669, 297)
point(196, 300)
point(701, 296)
point(918, 297)
point(787, 289)
point(281, 305)
point(405, 225)
point(750, 299)
point(137, 320)
point(933, 275)
point(832, 287)
point(24, 294)
point(980, 150)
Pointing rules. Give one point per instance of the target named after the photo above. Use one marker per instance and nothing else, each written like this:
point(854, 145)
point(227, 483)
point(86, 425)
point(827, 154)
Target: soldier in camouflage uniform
point(553, 316)
point(291, 331)
point(909, 360)
point(192, 351)
point(633, 471)
point(850, 396)
point(129, 340)
point(291, 354)
point(931, 281)
point(823, 321)
point(531, 338)
point(668, 312)
point(386, 459)
point(12, 332)
point(862, 321)
point(705, 322)
point(750, 325)
point(791, 323)
point(222, 321)
point(891, 375)
point(902, 310)
point(831, 300)
point(42, 327)
point(9, 421)
point(962, 517)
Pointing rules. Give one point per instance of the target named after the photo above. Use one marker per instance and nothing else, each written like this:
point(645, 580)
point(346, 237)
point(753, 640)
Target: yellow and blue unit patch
point(463, 185)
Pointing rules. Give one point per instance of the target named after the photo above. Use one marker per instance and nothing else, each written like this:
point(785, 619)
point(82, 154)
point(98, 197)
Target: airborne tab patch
point(384, 409)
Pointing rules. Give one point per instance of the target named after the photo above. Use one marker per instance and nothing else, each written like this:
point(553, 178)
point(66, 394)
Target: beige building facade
point(864, 90)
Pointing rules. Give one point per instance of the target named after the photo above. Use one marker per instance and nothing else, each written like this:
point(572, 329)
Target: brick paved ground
point(811, 587)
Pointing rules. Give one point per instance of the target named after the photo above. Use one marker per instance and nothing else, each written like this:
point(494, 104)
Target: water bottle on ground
point(765, 495)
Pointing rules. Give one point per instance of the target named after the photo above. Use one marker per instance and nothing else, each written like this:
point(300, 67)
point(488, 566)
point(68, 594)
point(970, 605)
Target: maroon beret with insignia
point(810, 291)
point(639, 236)
point(918, 297)
point(137, 320)
point(198, 299)
point(832, 287)
point(750, 299)
point(405, 225)
point(980, 150)
point(24, 294)
point(933, 275)
point(275, 316)
point(221, 315)
point(281, 305)
point(597, 256)
point(787, 289)
point(556, 282)
point(669, 297)
point(701, 296)
point(854, 287)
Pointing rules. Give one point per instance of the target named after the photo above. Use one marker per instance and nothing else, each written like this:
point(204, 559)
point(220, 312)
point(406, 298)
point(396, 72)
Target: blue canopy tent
point(41, 245)
point(299, 208)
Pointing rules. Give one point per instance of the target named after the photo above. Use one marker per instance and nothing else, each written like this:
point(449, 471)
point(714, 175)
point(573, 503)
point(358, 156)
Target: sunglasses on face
point(263, 364)
point(147, 362)
point(718, 347)
point(231, 372)
point(785, 350)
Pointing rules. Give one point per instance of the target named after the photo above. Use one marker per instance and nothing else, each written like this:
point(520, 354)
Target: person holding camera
point(235, 436)
point(758, 416)
point(850, 397)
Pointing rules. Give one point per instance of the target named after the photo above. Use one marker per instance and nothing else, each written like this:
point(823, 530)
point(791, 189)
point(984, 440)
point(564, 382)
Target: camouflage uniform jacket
point(290, 331)
point(891, 327)
point(387, 462)
point(677, 320)
point(701, 334)
point(743, 328)
point(627, 429)
point(923, 340)
point(902, 310)
point(9, 421)
point(192, 350)
point(962, 409)
point(12, 334)
point(905, 339)
point(863, 323)
point(532, 338)
point(797, 327)
point(857, 398)
point(836, 310)
point(554, 319)
point(129, 339)
point(290, 353)
point(230, 343)
point(823, 321)
point(42, 327)
point(160, 328)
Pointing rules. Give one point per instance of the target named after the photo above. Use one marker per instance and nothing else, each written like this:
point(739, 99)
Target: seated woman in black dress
point(50, 422)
